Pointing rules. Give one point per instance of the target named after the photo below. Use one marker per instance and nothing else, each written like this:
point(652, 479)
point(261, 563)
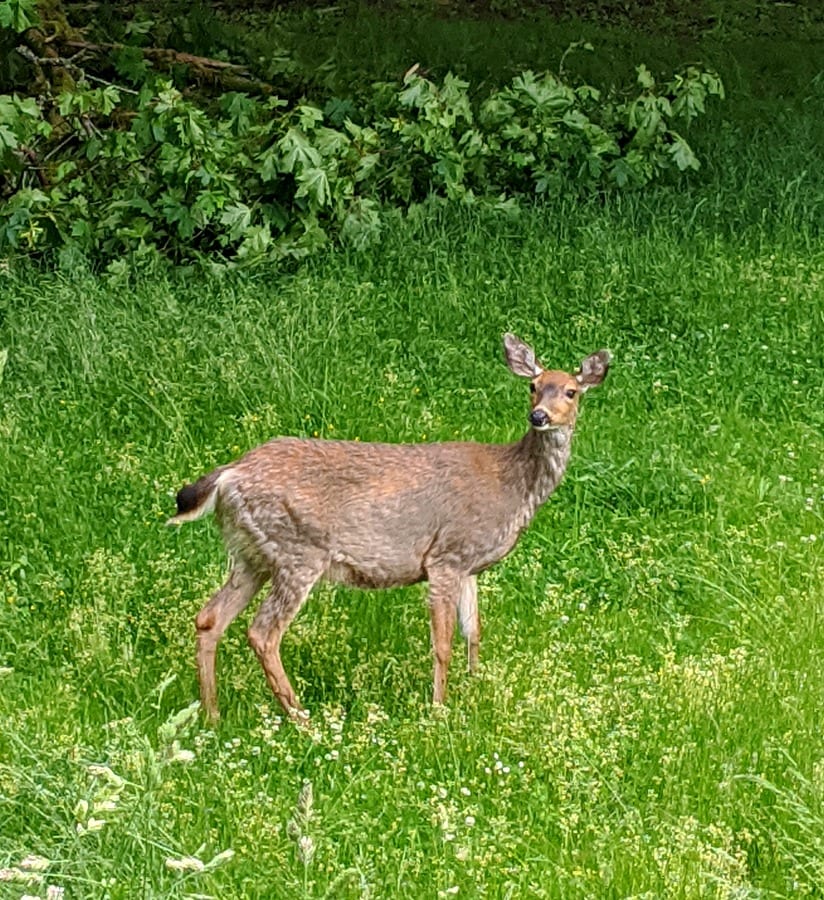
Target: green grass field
point(647, 719)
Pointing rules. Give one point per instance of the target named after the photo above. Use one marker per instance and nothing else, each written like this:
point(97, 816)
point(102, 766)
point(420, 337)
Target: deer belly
point(385, 573)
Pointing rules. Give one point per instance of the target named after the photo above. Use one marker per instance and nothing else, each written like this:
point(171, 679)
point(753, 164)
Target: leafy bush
point(109, 171)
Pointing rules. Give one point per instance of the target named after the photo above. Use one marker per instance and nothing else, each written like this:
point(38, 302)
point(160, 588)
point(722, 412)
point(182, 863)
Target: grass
point(647, 719)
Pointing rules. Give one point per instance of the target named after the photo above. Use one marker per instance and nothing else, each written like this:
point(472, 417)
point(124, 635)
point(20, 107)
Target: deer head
point(555, 394)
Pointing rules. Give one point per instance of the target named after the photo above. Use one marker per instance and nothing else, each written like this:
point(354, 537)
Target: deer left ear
point(593, 370)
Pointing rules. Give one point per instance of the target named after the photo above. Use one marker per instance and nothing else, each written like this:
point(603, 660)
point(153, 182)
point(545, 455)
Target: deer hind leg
point(289, 592)
point(215, 617)
point(444, 591)
point(469, 619)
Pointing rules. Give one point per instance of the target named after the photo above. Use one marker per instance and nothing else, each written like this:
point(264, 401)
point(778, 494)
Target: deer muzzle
point(539, 419)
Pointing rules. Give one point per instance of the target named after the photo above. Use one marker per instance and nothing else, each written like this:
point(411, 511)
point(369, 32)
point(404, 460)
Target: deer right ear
point(520, 357)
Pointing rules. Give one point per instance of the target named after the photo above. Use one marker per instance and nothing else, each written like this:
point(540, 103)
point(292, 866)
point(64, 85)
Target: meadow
point(646, 721)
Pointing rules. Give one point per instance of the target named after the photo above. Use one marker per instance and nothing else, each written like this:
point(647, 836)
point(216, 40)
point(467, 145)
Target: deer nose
point(539, 418)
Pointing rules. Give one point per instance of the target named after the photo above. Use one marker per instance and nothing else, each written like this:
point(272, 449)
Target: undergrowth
point(143, 167)
point(646, 721)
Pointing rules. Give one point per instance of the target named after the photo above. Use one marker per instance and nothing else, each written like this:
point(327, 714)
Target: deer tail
point(198, 499)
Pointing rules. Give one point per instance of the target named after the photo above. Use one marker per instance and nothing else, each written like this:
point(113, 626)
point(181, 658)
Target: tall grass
point(647, 719)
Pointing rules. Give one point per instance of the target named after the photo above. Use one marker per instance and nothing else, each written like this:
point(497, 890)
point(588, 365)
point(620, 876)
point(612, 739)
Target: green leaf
point(496, 111)
point(338, 111)
point(8, 139)
point(19, 15)
point(237, 217)
point(109, 99)
point(331, 143)
point(256, 242)
point(309, 117)
point(415, 93)
point(546, 94)
point(366, 166)
point(645, 79)
point(296, 151)
point(191, 127)
point(242, 111)
point(576, 120)
point(28, 107)
point(623, 173)
point(362, 224)
point(130, 63)
point(269, 164)
point(4, 358)
point(682, 154)
point(451, 170)
point(314, 183)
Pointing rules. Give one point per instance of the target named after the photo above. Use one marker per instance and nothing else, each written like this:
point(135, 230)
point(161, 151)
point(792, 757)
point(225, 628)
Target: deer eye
point(532, 387)
point(571, 392)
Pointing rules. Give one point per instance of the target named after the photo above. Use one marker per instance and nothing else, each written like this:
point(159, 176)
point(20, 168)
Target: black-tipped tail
point(196, 500)
point(188, 498)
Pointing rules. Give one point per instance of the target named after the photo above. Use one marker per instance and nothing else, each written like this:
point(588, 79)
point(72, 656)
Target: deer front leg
point(444, 590)
point(289, 591)
point(215, 617)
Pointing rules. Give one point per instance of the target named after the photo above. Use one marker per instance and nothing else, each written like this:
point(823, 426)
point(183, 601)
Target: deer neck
point(539, 461)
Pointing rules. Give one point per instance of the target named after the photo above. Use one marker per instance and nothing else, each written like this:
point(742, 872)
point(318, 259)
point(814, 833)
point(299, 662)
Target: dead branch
point(160, 54)
point(229, 75)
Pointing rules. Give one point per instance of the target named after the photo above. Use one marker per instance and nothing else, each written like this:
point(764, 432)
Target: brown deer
point(293, 511)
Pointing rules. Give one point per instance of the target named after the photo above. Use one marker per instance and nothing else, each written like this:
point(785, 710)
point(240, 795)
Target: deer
point(293, 511)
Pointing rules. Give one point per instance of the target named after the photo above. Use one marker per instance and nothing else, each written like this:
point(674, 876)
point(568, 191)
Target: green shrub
point(112, 172)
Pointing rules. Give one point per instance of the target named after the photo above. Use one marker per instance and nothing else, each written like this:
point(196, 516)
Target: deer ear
point(520, 357)
point(593, 370)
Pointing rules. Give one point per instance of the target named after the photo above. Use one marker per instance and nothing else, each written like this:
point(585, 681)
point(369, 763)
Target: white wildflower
point(222, 857)
point(186, 864)
point(105, 805)
point(19, 876)
point(100, 771)
point(34, 863)
point(182, 756)
point(91, 826)
point(306, 849)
